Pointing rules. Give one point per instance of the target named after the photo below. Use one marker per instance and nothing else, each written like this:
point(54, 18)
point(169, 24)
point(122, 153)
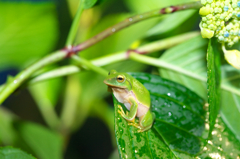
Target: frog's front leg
point(132, 113)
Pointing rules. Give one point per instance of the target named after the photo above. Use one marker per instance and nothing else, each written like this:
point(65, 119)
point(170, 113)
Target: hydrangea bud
point(221, 19)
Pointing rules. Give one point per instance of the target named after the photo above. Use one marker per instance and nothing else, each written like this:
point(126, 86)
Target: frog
point(134, 96)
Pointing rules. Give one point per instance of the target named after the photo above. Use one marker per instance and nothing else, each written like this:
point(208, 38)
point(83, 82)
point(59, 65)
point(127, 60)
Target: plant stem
point(83, 62)
point(116, 57)
point(59, 72)
point(45, 106)
point(71, 97)
point(160, 63)
point(75, 24)
point(10, 87)
point(134, 19)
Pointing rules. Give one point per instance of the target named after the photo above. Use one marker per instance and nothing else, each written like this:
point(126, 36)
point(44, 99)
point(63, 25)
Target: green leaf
point(26, 36)
point(172, 19)
point(13, 153)
point(168, 22)
point(7, 132)
point(43, 142)
point(213, 82)
point(230, 98)
point(191, 56)
point(177, 128)
point(89, 3)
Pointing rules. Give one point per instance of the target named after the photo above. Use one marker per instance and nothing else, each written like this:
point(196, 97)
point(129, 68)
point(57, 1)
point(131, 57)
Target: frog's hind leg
point(146, 121)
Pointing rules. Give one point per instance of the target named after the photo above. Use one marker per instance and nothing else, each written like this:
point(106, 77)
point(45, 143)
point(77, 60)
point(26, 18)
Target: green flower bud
point(204, 11)
point(206, 33)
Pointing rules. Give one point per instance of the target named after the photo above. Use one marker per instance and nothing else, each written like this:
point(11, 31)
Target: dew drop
point(184, 106)
point(15, 81)
point(130, 19)
point(169, 94)
point(210, 142)
point(169, 114)
point(136, 151)
point(214, 132)
point(113, 29)
point(123, 149)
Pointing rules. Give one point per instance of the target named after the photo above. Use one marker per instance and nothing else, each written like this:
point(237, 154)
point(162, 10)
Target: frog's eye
point(120, 78)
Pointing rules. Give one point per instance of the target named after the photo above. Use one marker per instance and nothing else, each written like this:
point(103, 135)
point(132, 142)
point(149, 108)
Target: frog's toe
point(135, 125)
point(140, 130)
point(120, 109)
point(120, 112)
point(119, 106)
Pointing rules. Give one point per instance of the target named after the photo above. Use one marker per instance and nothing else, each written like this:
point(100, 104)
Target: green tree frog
point(134, 96)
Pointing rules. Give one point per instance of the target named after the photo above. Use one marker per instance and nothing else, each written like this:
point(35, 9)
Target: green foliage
point(43, 142)
point(27, 31)
point(13, 153)
point(178, 130)
point(191, 56)
point(214, 78)
point(181, 129)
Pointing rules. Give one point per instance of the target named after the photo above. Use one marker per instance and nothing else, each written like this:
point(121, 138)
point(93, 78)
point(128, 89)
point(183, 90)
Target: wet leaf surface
point(180, 129)
point(177, 128)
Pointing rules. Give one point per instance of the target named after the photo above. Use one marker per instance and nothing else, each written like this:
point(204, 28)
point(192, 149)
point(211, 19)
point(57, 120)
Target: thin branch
point(12, 85)
point(75, 25)
point(85, 63)
point(116, 57)
point(130, 21)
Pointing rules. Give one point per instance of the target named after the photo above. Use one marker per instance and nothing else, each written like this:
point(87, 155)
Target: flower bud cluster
point(220, 18)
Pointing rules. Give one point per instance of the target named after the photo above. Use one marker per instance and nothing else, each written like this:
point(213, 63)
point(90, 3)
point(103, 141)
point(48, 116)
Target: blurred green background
point(82, 124)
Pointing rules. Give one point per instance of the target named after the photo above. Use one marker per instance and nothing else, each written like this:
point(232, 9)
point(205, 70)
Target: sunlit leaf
point(172, 19)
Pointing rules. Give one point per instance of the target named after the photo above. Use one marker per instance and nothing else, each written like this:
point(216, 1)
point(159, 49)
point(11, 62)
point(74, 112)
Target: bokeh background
point(31, 29)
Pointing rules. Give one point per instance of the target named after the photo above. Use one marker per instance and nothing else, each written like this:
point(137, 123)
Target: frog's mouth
point(113, 86)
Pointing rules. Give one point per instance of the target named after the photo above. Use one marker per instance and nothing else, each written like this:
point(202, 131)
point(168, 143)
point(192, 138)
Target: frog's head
point(118, 80)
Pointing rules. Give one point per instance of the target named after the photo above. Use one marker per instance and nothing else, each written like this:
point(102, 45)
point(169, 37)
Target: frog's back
point(141, 92)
